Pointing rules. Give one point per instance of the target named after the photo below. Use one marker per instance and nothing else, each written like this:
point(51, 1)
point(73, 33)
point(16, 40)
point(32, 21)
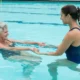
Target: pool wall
point(39, 0)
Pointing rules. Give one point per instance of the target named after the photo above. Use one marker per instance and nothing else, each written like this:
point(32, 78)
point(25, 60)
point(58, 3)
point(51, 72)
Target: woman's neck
point(73, 24)
point(2, 40)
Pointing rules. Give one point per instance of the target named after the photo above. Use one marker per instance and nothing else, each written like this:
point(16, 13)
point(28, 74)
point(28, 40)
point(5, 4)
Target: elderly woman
point(9, 50)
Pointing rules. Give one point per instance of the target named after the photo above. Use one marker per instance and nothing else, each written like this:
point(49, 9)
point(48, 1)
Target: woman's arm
point(39, 43)
point(68, 40)
point(28, 42)
point(18, 48)
point(15, 48)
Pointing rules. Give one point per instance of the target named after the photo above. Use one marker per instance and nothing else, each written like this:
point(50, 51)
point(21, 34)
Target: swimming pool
point(37, 21)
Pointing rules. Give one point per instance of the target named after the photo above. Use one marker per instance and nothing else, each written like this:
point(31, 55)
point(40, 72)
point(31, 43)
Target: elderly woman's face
point(4, 33)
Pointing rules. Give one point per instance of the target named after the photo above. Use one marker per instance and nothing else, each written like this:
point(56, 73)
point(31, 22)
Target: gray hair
point(2, 26)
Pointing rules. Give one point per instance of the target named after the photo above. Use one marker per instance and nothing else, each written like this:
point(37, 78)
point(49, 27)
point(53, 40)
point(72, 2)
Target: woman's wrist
point(31, 49)
point(37, 43)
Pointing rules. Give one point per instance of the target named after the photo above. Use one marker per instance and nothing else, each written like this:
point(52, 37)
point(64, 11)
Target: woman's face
point(4, 33)
point(64, 18)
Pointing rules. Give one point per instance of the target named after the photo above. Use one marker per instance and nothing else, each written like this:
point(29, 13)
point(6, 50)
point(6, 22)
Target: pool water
point(36, 21)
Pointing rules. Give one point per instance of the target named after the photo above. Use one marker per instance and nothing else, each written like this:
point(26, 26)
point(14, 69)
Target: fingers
point(35, 50)
point(41, 44)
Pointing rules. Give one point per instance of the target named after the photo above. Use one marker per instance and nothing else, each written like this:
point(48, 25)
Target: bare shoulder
point(69, 35)
point(75, 33)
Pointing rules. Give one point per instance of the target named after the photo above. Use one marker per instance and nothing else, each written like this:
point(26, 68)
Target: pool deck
point(40, 0)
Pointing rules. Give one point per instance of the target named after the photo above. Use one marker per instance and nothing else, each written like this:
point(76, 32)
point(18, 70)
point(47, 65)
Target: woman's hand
point(35, 50)
point(41, 44)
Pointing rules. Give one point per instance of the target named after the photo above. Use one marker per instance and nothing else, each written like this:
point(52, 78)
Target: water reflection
point(53, 67)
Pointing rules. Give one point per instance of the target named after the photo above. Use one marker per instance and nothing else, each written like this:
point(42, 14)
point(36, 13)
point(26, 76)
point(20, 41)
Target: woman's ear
point(69, 16)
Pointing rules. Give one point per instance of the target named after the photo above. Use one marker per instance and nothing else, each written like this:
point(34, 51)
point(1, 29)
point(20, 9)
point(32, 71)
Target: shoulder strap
point(74, 28)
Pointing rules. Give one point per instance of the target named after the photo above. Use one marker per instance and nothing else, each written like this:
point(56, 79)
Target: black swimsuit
point(7, 53)
point(73, 53)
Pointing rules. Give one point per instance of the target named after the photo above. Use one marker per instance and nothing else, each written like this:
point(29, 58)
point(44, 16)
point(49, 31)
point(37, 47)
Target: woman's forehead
point(62, 12)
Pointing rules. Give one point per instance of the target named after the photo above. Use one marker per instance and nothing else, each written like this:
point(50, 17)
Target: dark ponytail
point(78, 13)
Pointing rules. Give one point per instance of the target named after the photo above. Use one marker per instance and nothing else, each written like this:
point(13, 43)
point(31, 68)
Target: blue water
point(36, 21)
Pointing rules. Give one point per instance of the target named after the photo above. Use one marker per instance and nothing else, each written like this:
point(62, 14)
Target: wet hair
point(73, 11)
point(2, 26)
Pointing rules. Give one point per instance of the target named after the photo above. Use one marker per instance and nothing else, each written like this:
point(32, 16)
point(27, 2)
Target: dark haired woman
point(71, 42)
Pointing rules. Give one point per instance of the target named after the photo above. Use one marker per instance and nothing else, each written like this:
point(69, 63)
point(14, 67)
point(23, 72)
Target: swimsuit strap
point(74, 28)
point(12, 43)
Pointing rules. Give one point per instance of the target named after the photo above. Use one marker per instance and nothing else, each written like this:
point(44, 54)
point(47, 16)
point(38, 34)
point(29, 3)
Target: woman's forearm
point(23, 42)
point(18, 48)
point(48, 53)
point(29, 42)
